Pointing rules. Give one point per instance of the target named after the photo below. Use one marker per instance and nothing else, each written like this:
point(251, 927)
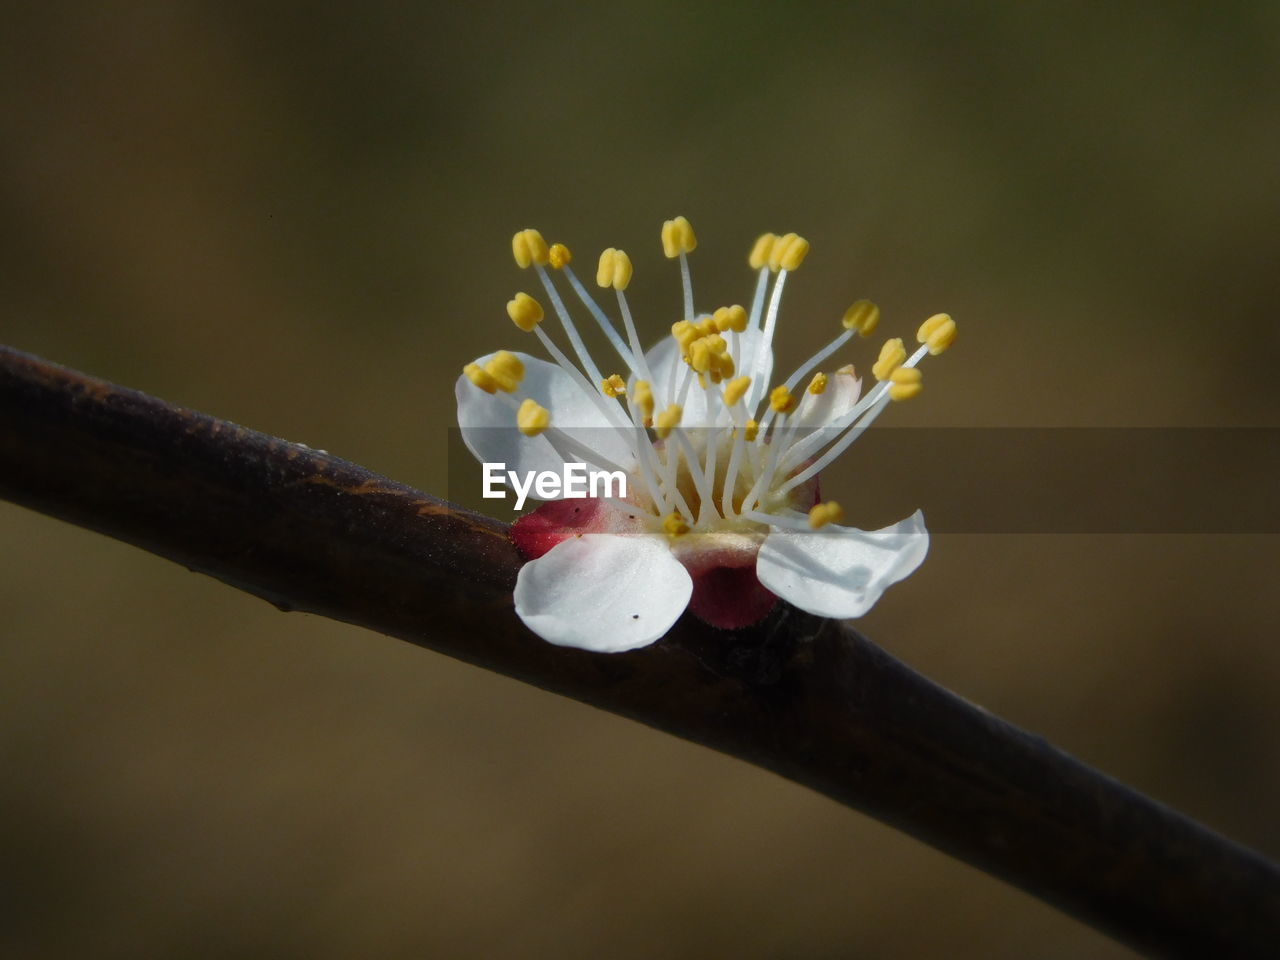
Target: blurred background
point(297, 216)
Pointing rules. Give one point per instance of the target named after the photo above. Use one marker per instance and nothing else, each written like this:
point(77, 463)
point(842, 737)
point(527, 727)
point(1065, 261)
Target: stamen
point(524, 311)
point(531, 418)
point(735, 389)
point(506, 369)
point(674, 526)
point(938, 333)
point(891, 356)
point(640, 364)
point(818, 385)
point(642, 397)
point(614, 269)
point(480, 377)
point(759, 256)
point(667, 420)
point(781, 400)
point(559, 256)
point(906, 383)
point(823, 513)
point(678, 238)
point(613, 386)
point(863, 316)
point(571, 331)
point(529, 248)
point(629, 356)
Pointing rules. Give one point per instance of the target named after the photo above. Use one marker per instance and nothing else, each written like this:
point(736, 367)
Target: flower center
point(711, 448)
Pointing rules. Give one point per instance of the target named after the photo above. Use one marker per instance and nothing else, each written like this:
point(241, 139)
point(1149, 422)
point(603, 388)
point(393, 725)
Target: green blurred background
point(297, 216)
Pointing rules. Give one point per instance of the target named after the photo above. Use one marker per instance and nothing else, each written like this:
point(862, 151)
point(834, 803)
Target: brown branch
point(806, 698)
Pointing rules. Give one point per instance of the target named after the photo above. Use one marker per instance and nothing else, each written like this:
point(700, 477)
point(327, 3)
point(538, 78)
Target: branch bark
point(806, 698)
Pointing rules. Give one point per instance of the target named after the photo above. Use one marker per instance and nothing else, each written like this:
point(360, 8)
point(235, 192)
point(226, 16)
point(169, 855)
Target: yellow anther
point(685, 333)
point(795, 253)
point(604, 272)
point(532, 418)
point(621, 270)
point(891, 356)
point(760, 253)
point(524, 311)
point(529, 248)
point(614, 386)
point(721, 366)
point(750, 431)
point(668, 420)
point(642, 397)
point(788, 252)
point(731, 318)
point(480, 377)
point(678, 238)
point(819, 383)
point(781, 400)
point(906, 383)
point(939, 332)
point(506, 369)
point(560, 256)
point(863, 316)
point(674, 525)
point(823, 513)
point(706, 326)
point(777, 250)
point(614, 269)
point(700, 355)
point(735, 390)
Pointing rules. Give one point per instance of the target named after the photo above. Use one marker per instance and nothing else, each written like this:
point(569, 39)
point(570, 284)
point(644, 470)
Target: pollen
point(529, 248)
point(560, 256)
point(939, 332)
point(668, 420)
point(759, 256)
point(678, 238)
point(731, 318)
point(892, 354)
point(532, 418)
point(685, 332)
point(863, 316)
point(906, 383)
point(788, 252)
point(674, 526)
point(735, 390)
point(524, 311)
point(480, 377)
point(781, 400)
point(750, 430)
point(614, 269)
point(506, 369)
point(818, 384)
point(613, 386)
point(642, 397)
point(823, 513)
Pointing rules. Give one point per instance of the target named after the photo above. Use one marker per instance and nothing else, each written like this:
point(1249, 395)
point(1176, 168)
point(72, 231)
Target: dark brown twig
point(806, 698)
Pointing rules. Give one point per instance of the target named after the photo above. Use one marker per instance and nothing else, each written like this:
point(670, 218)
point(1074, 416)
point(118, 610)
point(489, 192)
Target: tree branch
point(809, 699)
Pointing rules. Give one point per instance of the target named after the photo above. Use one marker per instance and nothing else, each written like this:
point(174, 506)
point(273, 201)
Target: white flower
point(722, 513)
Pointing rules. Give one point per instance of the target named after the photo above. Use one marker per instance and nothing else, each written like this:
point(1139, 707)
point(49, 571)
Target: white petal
point(603, 592)
point(841, 573)
point(489, 424)
point(668, 369)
